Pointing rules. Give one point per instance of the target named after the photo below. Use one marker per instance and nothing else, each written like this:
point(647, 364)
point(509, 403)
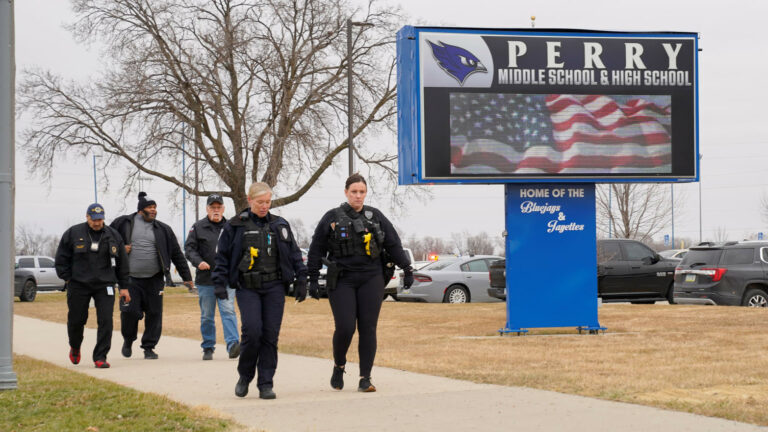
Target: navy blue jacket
point(230, 251)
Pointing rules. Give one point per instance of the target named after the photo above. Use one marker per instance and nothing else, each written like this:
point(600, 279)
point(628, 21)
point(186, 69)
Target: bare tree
point(636, 211)
point(254, 90)
point(480, 244)
point(720, 234)
point(301, 233)
point(425, 246)
point(33, 241)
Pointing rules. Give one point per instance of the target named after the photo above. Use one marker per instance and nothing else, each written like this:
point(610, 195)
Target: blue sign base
point(551, 257)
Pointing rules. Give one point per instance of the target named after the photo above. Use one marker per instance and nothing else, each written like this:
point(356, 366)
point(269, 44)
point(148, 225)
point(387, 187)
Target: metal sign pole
point(7, 101)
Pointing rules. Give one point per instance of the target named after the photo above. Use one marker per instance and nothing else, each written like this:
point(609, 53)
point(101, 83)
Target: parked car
point(24, 284)
point(497, 275)
point(451, 280)
point(628, 270)
point(43, 269)
point(733, 273)
point(391, 288)
point(674, 253)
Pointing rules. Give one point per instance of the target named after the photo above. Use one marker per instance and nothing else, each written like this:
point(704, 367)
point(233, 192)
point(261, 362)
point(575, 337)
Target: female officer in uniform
point(257, 255)
point(351, 240)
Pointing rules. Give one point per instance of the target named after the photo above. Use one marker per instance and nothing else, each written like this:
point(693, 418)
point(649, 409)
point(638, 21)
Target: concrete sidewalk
point(404, 401)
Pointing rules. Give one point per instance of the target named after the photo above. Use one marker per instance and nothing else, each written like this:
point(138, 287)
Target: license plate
point(690, 278)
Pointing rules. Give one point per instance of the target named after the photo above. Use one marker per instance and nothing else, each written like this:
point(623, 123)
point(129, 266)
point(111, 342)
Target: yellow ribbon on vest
point(367, 241)
point(254, 254)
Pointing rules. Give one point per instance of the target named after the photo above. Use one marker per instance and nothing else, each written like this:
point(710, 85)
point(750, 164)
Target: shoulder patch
point(284, 233)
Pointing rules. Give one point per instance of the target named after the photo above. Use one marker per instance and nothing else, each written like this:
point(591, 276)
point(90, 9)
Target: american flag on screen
point(567, 134)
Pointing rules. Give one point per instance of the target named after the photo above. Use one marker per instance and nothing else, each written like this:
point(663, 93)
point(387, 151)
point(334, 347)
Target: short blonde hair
point(258, 189)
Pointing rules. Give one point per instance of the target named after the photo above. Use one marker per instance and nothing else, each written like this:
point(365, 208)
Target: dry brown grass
point(706, 360)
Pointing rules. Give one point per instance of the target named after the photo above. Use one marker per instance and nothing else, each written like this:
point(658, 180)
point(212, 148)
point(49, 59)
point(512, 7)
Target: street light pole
point(350, 144)
point(95, 189)
point(8, 379)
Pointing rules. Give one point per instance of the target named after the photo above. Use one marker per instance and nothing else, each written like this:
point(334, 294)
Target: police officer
point(257, 255)
point(200, 249)
point(356, 242)
point(151, 246)
point(92, 261)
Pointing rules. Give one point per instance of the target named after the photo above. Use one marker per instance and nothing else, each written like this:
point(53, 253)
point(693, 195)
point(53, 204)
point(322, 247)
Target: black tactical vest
point(355, 234)
point(260, 253)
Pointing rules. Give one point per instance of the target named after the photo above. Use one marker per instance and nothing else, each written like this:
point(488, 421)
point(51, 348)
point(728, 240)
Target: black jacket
point(168, 249)
point(319, 247)
point(76, 262)
point(202, 240)
point(230, 250)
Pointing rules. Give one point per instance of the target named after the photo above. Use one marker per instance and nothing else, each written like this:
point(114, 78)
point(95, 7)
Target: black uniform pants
point(261, 315)
point(146, 300)
point(356, 301)
point(79, 296)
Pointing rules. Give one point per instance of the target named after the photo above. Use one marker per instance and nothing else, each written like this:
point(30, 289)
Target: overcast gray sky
point(732, 69)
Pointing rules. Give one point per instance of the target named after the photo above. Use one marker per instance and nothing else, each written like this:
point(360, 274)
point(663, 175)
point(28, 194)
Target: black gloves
point(221, 292)
point(314, 290)
point(300, 289)
point(407, 277)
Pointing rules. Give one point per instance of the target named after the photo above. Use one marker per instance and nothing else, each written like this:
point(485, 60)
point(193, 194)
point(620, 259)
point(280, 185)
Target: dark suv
point(628, 270)
point(731, 273)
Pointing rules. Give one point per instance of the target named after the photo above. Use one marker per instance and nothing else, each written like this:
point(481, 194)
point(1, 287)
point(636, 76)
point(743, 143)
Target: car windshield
point(700, 257)
point(438, 265)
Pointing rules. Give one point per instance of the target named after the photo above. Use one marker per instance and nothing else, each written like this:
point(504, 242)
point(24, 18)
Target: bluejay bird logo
point(457, 61)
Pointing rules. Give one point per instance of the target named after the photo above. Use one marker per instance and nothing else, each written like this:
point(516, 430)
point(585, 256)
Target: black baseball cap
point(95, 211)
point(215, 198)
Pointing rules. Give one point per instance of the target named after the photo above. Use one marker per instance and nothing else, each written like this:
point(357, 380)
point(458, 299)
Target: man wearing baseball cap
point(92, 260)
point(200, 249)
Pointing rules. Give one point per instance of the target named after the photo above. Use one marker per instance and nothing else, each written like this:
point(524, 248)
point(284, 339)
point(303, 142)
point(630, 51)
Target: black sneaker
point(149, 354)
point(337, 378)
point(267, 393)
point(234, 350)
point(365, 385)
point(207, 353)
point(241, 388)
point(127, 352)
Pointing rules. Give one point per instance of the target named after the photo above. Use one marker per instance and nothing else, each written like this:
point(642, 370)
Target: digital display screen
point(497, 133)
point(496, 106)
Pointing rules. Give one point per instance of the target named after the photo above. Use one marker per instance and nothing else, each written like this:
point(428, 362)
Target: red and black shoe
point(101, 364)
point(74, 355)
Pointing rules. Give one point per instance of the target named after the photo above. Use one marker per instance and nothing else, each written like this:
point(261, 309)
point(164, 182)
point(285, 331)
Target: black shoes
point(234, 350)
point(149, 354)
point(337, 379)
point(241, 388)
point(365, 385)
point(207, 353)
point(267, 393)
point(126, 351)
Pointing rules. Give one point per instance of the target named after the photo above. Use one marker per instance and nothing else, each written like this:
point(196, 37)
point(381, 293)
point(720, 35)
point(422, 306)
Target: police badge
point(368, 214)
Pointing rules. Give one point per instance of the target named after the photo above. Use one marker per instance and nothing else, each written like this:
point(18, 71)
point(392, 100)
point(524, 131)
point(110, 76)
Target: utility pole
point(8, 379)
point(350, 145)
point(197, 190)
